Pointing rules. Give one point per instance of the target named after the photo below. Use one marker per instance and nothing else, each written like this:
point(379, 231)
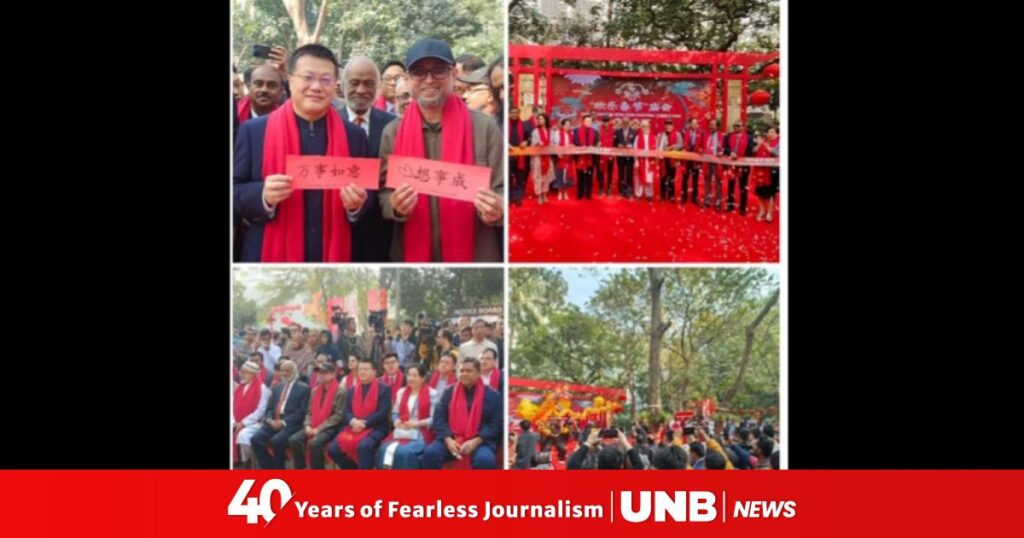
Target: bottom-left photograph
point(367, 368)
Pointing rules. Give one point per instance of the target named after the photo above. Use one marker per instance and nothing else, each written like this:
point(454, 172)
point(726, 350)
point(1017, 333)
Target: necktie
point(280, 404)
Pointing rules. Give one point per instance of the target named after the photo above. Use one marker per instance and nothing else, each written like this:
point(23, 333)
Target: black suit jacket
point(371, 236)
point(624, 137)
point(295, 408)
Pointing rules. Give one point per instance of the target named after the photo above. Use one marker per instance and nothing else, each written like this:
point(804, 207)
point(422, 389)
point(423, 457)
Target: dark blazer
point(376, 421)
point(371, 241)
point(490, 420)
point(247, 189)
point(295, 408)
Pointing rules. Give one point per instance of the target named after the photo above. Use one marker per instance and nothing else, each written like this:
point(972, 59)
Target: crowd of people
point(432, 105)
point(735, 445)
point(700, 184)
point(409, 399)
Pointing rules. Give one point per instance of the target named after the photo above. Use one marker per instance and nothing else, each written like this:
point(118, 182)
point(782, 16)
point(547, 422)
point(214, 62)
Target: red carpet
point(618, 230)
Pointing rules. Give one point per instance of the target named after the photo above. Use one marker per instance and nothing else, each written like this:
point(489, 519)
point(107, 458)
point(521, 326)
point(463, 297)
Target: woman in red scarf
point(564, 167)
point(413, 417)
point(349, 380)
point(760, 177)
point(543, 169)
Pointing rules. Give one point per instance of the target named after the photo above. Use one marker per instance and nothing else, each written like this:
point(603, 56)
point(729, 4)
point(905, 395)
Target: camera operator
point(347, 341)
point(372, 342)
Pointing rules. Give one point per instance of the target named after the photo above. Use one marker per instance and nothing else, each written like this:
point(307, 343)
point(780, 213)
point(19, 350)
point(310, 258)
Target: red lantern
point(771, 71)
point(760, 97)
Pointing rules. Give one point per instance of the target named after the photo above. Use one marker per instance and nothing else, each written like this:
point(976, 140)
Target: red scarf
point(717, 137)
point(464, 424)
point(586, 135)
point(646, 142)
point(741, 150)
point(698, 140)
point(423, 411)
point(545, 136)
point(349, 381)
point(244, 403)
point(244, 109)
point(563, 142)
point(607, 141)
point(521, 161)
point(436, 376)
point(398, 378)
point(348, 440)
point(707, 150)
point(761, 175)
point(458, 218)
point(381, 103)
point(495, 378)
point(283, 237)
point(322, 404)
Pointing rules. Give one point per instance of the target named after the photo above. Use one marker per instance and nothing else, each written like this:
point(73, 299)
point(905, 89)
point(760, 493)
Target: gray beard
point(431, 103)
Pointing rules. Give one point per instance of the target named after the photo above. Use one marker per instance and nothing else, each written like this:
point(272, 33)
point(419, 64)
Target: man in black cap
point(439, 126)
point(323, 419)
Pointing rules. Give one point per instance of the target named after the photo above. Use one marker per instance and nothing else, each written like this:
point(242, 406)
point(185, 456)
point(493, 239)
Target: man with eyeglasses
point(439, 126)
point(464, 65)
point(312, 225)
point(393, 72)
point(478, 93)
point(265, 89)
point(738, 144)
point(371, 235)
point(402, 96)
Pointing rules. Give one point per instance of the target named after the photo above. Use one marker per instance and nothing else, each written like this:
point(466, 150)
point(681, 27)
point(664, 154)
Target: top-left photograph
point(367, 132)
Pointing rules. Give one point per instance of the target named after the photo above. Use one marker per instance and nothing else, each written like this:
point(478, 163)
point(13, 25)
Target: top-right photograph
point(644, 131)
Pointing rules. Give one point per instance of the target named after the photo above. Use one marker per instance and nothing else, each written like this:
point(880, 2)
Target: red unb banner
point(510, 503)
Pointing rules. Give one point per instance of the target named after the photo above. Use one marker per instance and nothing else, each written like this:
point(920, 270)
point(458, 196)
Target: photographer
point(607, 456)
point(347, 332)
point(426, 343)
point(371, 341)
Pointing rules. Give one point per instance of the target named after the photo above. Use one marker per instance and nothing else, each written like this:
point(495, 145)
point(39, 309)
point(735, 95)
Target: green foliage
point(607, 343)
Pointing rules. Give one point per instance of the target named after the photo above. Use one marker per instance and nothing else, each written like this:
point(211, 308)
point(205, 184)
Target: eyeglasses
point(438, 72)
point(391, 80)
point(327, 81)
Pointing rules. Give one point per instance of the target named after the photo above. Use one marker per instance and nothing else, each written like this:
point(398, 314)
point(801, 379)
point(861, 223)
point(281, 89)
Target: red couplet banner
point(510, 503)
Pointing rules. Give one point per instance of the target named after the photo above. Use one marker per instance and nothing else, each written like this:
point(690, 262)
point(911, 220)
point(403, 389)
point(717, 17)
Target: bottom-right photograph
point(659, 368)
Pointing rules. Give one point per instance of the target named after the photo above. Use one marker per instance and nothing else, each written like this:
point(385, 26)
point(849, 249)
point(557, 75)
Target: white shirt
point(472, 349)
point(366, 119)
point(487, 377)
point(270, 356)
